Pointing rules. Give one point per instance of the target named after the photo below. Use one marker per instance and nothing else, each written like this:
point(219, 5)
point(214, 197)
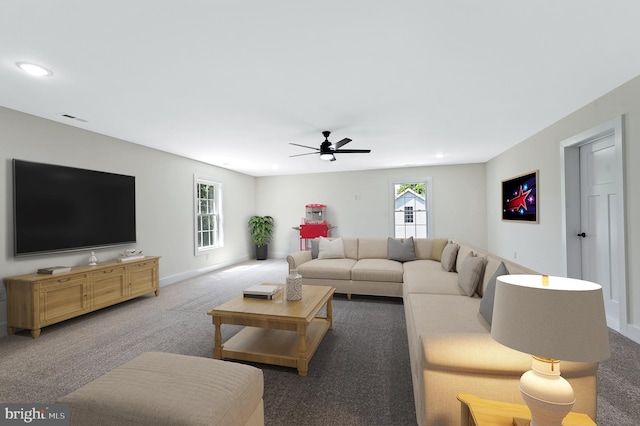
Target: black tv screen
point(59, 208)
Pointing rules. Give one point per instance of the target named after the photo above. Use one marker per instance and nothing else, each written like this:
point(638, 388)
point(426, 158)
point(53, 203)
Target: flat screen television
point(60, 208)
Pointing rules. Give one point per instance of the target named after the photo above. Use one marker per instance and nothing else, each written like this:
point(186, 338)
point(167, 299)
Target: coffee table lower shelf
point(276, 347)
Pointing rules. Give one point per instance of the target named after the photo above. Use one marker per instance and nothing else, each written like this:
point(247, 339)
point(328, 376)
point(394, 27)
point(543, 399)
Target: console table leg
point(35, 333)
point(330, 314)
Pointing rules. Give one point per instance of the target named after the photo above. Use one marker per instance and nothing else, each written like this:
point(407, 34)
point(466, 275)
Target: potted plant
point(261, 234)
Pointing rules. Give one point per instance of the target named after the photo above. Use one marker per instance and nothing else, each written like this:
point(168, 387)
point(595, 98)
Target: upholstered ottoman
point(168, 389)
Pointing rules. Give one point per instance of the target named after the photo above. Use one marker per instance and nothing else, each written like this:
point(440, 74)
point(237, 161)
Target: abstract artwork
point(520, 198)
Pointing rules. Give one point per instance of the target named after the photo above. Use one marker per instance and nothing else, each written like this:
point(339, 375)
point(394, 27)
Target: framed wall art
point(520, 198)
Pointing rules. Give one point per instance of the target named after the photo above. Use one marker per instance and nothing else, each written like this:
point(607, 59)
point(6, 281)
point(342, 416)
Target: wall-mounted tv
point(60, 208)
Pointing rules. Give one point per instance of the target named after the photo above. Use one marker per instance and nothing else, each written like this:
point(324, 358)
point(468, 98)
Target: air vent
point(73, 117)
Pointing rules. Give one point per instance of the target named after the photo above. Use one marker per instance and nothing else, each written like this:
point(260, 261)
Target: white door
point(598, 231)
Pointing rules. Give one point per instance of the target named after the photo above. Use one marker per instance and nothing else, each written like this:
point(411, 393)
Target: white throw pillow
point(331, 249)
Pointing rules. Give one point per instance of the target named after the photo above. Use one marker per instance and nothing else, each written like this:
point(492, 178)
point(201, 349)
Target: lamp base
point(548, 395)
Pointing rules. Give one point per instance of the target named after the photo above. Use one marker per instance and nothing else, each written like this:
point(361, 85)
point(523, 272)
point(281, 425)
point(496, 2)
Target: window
point(411, 206)
point(408, 214)
point(208, 218)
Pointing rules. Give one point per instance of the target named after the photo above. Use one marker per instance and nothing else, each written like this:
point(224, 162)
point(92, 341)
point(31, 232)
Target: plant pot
point(261, 252)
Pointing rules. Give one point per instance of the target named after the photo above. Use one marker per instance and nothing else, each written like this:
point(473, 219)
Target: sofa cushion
point(486, 305)
point(401, 251)
point(378, 270)
point(445, 314)
point(436, 249)
point(472, 353)
point(331, 249)
point(470, 274)
point(350, 247)
point(439, 281)
point(372, 248)
point(423, 247)
point(448, 258)
point(330, 269)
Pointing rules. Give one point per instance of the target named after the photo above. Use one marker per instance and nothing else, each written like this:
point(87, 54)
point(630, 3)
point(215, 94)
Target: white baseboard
point(194, 273)
point(633, 333)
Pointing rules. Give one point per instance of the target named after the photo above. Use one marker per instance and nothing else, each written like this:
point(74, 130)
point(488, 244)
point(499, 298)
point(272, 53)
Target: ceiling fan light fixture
point(34, 69)
point(327, 156)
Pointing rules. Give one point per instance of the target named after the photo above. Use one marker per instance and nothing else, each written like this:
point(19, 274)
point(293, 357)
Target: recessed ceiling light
point(33, 69)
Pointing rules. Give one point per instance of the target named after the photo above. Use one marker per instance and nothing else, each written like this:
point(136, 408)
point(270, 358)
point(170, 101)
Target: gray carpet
point(359, 375)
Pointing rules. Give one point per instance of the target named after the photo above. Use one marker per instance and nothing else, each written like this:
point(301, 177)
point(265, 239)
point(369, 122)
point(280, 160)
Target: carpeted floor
point(359, 375)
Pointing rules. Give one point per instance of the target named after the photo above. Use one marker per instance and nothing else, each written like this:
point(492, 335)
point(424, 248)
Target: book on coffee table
point(262, 291)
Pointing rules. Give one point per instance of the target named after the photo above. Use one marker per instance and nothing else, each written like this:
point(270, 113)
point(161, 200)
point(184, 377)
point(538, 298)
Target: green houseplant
point(261, 228)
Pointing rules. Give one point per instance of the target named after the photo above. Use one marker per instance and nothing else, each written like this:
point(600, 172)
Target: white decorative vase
point(93, 260)
point(294, 285)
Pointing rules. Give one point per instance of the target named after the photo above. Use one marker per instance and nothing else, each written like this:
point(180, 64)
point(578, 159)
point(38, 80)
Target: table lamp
point(553, 319)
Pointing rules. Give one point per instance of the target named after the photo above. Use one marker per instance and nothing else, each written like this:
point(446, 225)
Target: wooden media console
point(38, 300)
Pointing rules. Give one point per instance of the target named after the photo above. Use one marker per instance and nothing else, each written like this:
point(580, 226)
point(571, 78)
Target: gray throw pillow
point(470, 274)
point(486, 305)
point(315, 248)
point(401, 251)
point(448, 258)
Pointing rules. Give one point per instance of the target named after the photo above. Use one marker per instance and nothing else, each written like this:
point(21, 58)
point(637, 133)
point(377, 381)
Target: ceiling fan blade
point(304, 146)
point(306, 153)
point(343, 142)
point(352, 151)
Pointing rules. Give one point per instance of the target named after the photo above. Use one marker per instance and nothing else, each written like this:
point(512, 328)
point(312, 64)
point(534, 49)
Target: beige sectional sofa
point(450, 346)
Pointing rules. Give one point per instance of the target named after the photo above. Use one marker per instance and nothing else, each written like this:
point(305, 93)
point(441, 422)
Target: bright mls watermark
point(34, 414)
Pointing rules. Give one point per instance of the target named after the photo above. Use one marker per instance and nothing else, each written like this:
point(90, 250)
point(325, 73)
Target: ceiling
point(232, 83)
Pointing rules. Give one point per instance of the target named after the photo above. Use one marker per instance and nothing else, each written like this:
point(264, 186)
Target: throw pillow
point(470, 274)
point(448, 259)
point(331, 249)
point(315, 248)
point(437, 247)
point(401, 251)
point(486, 304)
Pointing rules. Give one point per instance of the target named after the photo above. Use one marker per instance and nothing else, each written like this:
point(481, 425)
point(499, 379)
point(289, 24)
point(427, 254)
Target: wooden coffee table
point(285, 333)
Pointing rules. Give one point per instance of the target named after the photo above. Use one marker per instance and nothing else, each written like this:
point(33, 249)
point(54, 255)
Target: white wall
point(164, 197)
point(360, 203)
point(540, 246)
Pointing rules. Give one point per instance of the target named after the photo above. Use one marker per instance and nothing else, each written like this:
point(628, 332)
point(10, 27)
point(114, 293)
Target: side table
point(476, 411)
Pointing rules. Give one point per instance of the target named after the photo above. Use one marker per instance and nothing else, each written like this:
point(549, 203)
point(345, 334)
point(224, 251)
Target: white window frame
point(216, 213)
point(428, 203)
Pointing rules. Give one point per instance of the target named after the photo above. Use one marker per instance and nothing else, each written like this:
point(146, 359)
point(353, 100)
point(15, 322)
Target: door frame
point(570, 184)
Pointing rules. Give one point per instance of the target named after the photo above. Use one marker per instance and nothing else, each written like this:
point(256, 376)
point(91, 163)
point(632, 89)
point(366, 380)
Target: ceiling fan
point(327, 149)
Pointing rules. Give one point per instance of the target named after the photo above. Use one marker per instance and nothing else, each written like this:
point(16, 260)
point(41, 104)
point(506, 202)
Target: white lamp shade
point(564, 320)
